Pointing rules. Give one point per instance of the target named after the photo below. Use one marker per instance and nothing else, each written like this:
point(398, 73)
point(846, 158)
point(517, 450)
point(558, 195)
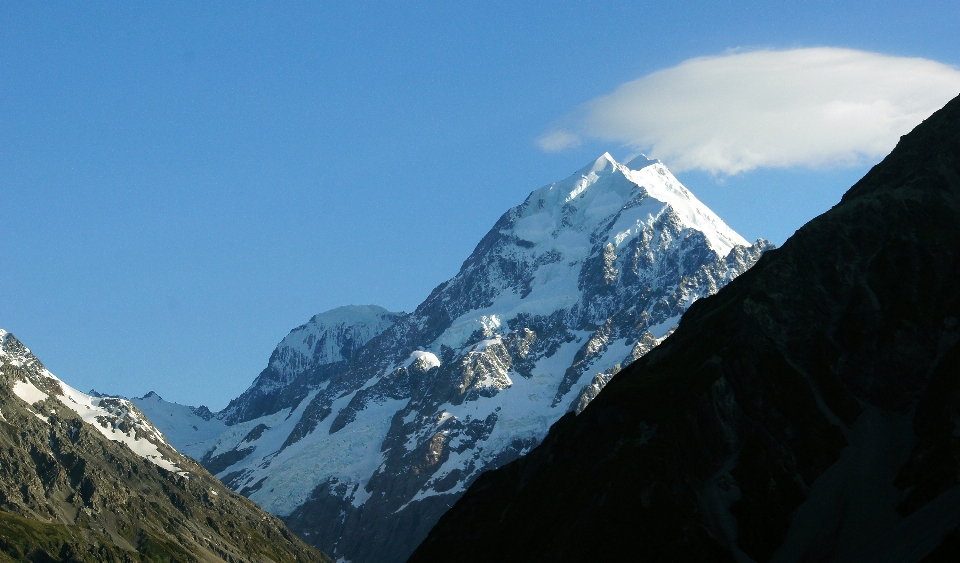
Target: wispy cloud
point(557, 140)
point(817, 107)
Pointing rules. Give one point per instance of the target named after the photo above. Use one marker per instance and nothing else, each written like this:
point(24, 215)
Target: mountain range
point(809, 411)
point(367, 425)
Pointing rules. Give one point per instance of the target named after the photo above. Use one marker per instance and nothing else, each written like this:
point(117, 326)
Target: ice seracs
point(363, 431)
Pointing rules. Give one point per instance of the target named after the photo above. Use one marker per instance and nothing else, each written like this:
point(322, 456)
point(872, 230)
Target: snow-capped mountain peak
point(331, 337)
point(661, 184)
point(369, 424)
point(307, 357)
point(641, 161)
point(600, 189)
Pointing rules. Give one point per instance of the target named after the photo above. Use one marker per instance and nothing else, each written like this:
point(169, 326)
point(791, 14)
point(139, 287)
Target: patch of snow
point(444, 416)
point(660, 330)
point(615, 352)
point(429, 359)
point(91, 412)
point(483, 344)
point(640, 162)
point(27, 391)
point(489, 323)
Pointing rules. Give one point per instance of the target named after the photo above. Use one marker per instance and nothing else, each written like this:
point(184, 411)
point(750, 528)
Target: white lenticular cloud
point(818, 107)
point(557, 140)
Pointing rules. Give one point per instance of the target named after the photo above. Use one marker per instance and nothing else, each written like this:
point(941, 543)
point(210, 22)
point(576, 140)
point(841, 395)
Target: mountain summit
point(362, 442)
point(809, 411)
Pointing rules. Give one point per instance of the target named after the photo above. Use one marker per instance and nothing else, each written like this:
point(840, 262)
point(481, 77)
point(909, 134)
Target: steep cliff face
point(361, 450)
point(86, 478)
point(306, 357)
point(810, 411)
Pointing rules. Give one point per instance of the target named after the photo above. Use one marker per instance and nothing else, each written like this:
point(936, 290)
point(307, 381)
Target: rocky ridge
point(85, 478)
point(585, 276)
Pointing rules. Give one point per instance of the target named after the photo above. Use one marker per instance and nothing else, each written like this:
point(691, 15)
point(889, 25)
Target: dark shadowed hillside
point(810, 411)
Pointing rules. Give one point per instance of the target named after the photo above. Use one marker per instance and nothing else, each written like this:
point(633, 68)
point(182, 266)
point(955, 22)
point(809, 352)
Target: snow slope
point(193, 429)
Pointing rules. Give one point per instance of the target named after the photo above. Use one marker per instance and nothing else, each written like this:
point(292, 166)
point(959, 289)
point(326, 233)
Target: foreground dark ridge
point(68, 493)
point(810, 411)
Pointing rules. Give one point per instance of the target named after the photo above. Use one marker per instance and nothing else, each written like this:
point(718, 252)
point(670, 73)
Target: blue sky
point(182, 184)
